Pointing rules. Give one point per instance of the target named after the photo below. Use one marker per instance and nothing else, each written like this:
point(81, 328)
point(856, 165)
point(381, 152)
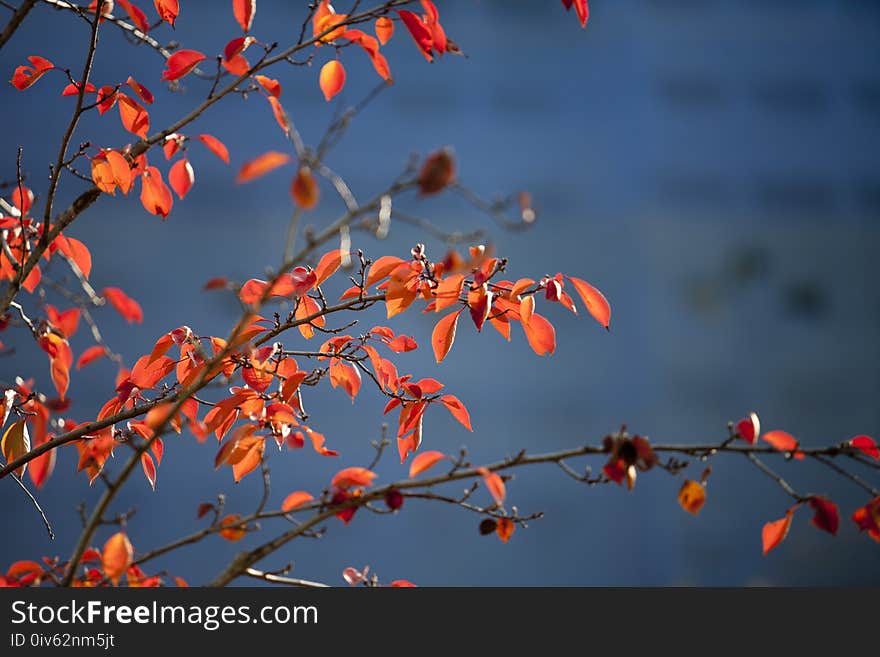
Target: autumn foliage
point(239, 389)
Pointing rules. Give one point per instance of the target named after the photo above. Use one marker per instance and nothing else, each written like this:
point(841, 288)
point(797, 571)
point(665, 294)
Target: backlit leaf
point(216, 146)
point(775, 532)
point(181, 177)
point(295, 499)
point(332, 78)
point(443, 335)
point(596, 303)
point(425, 461)
point(261, 165)
point(181, 63)
point(244, 11)
point(125, 305)
point(458, 410)
point(117, 556)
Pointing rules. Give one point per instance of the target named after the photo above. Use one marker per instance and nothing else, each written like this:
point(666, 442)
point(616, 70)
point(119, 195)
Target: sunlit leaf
point(775, 532)
point(215, 146)
point(332, 78)
point(15, 443)
point(596, 303)
point(117, 556)
point(295, 499)
point(181, 177)
point(168, 10)
point(443, 335)
point(304, 189)
point(424, 461)
point(352, 477)
point(244, 11)
point(125, 305)
point(261, 165)
point(181, 63)
point(384, 29)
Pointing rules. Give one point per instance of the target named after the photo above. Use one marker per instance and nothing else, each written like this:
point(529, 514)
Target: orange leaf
point(90, 355)
point(155, 195)
point(448, 291)
point(244, 11)
point(134, 117)
point(232, 534)
point(596, 303)
point(181, 176)
point(783, 441)
point(540, 334)
point(332, 78)
point(505, 529)
point(216, 146)
point(295, 499)
point(425, 461)
point(353, 477)
point(304, 189)
point(384, 29)
point(272, 87)
point(117, 556)
point(306, 308)
point(443, 335)
point(494, 484)
point(16, 443)
point(775, 532)
point(280, 115)
point(125, 305)
point(327, 265)
point(382, 268)
point(76, 251)
point(261, 165)
point(458, 410)
point(692, 496)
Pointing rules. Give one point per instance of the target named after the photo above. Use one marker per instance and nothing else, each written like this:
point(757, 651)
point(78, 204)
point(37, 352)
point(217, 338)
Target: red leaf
point(867, 518)
point(596, 303)
point(775, 532)
point(215, 146)
point(181, 177)
point(444, 335)
point(167, 10)
point(25, 76)
point(181, 63)
point(458, 410)
point(866, 445)
point(494, 484)
point(425, 461)
point(155, 195)
point(826, 517)
point(749, 428)
point(244, 11)
point(419, 32)
point(142, 92)
point(261, 165)
point(332, 78)
point(40, 468)
point(135, 15)
point(125, 306)
point(72, 89)
point(90, 355)
point(149, 469)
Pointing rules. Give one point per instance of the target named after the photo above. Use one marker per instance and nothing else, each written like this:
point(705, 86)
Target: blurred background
point(711, 165)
